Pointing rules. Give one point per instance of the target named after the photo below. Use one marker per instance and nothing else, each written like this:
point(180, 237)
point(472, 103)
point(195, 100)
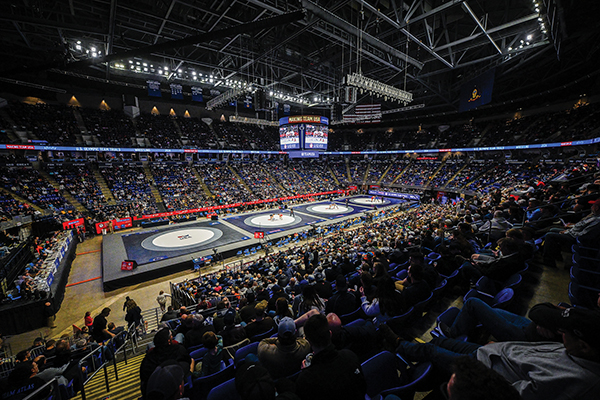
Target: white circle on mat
point(183, 238)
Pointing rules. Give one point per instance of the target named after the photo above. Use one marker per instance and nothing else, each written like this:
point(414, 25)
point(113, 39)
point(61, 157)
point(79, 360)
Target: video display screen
point(289, 137)
point(315, 137)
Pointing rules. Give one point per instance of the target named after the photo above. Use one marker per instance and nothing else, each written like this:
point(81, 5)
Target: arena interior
point(305, 199)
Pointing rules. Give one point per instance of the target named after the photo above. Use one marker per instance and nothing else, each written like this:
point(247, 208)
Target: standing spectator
point(162, 300)
point(88, 320)
point(49, 314)
point(100, 331)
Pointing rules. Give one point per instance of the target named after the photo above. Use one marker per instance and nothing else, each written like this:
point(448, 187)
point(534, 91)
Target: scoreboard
point(303, 132)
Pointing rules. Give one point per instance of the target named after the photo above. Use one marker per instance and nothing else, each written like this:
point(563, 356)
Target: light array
point(378, 89)
point(224, 98)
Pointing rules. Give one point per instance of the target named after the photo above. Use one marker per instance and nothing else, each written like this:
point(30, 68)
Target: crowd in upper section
point(62, 125)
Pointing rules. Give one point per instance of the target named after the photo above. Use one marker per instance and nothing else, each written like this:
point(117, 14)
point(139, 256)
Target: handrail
point(44, 387)
point(101, 351)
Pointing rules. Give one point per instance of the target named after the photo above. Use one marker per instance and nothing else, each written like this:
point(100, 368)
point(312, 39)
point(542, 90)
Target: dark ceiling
point(428, 47)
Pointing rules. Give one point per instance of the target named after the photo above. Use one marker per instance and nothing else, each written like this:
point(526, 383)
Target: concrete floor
point(540, 285)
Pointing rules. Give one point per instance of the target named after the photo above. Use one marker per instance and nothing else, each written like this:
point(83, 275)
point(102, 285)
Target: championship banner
point(176, 91)
point(154, 88)
point(233, 103)
point(197, 94)
point(286, 109)
point(477, 92)
point(248, 102)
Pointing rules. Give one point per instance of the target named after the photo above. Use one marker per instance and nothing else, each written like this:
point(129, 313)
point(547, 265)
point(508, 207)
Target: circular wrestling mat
point(327, 209)
point(181, 239)
point(265, 221)
point(368, 201)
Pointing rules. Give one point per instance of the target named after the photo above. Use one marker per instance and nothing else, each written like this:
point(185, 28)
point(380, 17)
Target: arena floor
point(162, 251)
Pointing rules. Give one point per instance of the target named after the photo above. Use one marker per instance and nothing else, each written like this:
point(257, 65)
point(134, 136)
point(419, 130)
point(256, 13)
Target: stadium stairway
point(277, 182)
point(435, 173)
point(20, 199)
point(126, 388)
point(239, 178)
point(80, 122)
point(348, 172)
point(384, 173)
point(72, 201)
point(366, 175)
point(205, 188)
point(9, 131)
point(456, 174)
point(155, 193)
point(335, 179)
point(402, 172)
point(104, 188)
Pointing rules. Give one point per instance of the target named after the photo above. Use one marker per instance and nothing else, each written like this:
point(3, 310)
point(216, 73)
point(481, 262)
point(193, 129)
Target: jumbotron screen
point(289, 137)
point(307, 132)
point(315, 137)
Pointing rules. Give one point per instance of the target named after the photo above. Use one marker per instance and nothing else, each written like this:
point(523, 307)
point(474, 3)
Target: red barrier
point(73, 224)
point(249, 203)
point(119, 223)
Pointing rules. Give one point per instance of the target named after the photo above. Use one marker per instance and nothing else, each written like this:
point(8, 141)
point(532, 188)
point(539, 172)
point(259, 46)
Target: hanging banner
point(477, 92)
point(286, 109)
point(176, 91)
point(197, 94)
point(233, 103)
point(248, 102)
point(154, 88)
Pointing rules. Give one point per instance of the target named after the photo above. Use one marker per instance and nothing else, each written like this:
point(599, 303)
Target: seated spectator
point(310, 300)
point(282, 356)
point(501, 324)
point(213, 359)
point(329, 365)
point(193, 337)
point(555, 241)
point(166, 383)
point(261, 322)
point(386, 304)
point(472, 380)
point(22, 381)
point(282, 310)
point(509, 263)
point(496, 227)
point(170, 314)
point(540, 370)
point(164, 349)
point(232, 333)
point(342, 302)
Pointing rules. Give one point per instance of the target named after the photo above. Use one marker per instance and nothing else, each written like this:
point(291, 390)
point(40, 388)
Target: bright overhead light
point(94, 54)
point(145, 65)
point(166, 68)
point(78, 47)
point(92, 48)
point(180, 71)
point(130, 62)
point(79, 42)
point(529, 37)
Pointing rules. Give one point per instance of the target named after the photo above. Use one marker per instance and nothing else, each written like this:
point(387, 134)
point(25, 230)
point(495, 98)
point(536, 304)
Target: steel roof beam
point(472, 14)
point(405, 32)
